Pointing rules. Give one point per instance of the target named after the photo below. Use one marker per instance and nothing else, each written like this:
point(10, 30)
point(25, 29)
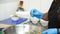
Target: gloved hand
point(36, 13)
point(50, 31)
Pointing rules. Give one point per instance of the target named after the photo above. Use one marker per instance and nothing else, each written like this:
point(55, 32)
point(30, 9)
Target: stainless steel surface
point(10, 30)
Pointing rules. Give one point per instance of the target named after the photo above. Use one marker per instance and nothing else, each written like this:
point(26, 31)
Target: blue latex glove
point(50, 31)
point(36, 13)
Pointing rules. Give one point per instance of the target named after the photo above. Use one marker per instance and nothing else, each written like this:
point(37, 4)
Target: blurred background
point(22, 8)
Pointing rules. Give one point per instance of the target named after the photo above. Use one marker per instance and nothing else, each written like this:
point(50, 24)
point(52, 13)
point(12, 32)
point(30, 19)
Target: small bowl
point(15, 18)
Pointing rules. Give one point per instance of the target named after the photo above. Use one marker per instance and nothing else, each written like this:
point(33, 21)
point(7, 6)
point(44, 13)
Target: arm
point(38, 14)
point(45, 16)
point(59, 30)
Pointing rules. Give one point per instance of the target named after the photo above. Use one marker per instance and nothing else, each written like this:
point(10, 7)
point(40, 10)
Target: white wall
point(29, 4)
point(7, 8)
point(42, 5)
point(45, 5)
point(7, 1)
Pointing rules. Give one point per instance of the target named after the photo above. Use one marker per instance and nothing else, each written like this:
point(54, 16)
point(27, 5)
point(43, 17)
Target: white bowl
point(15, 18)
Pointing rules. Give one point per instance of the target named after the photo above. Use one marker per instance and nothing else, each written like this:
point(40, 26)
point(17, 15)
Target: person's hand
point(50, 31)
point(36, 13)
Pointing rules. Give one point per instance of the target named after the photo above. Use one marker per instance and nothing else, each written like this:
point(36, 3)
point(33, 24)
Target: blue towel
point(10, 21)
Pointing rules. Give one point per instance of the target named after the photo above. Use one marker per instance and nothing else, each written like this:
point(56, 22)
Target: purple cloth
point(9, 20)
